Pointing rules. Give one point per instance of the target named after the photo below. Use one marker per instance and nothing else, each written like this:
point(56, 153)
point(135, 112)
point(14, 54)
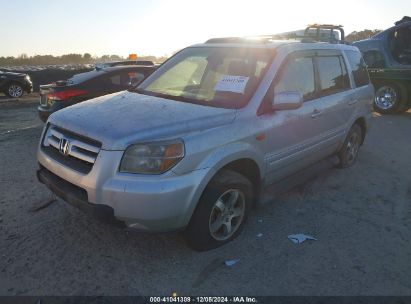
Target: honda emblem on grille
point(64, 146)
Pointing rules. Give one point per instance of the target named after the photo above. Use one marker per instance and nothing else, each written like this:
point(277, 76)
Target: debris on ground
point(45, 205)
point(231, 262)
point(259, 235)
point(300, 238)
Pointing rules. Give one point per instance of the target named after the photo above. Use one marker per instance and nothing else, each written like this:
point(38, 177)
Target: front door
point(303, 136)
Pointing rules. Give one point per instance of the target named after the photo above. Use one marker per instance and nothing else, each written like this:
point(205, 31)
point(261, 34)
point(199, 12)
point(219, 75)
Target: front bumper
point(156, 203)
point(76, 197)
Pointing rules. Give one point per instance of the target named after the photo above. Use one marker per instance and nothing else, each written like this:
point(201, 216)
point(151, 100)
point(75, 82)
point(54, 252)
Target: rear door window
point(333, 76)
point(124, 79)
point(359, 69)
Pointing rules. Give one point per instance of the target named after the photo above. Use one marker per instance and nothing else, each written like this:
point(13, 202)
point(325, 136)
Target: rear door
point(336, 99)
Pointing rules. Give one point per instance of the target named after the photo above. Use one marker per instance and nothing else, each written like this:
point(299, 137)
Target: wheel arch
point(363, 125)
point(243, 162)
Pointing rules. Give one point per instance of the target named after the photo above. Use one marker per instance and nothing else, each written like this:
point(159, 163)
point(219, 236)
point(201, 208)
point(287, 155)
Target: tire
point(209, 225)
point(405, 109)
point(390, 98)
point(348, 153)
point(14, 90)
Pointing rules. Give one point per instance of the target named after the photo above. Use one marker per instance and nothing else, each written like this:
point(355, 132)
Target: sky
point(160, 27)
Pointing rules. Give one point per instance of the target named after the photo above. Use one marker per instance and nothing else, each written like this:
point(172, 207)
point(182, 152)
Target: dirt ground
point(360, 216)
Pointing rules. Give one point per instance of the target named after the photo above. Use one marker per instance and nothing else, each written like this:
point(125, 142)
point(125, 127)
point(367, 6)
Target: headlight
point(152, 158)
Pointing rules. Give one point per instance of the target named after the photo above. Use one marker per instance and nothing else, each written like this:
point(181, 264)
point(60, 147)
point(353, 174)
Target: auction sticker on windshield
point(231, 83)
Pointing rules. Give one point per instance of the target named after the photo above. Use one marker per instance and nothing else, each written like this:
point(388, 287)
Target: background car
point(388, 57)
point(124, 62)
point(80, 87)
point(15, 84)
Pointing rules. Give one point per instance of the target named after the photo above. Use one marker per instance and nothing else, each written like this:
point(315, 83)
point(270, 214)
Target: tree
point(361, 35)
point(87, 57)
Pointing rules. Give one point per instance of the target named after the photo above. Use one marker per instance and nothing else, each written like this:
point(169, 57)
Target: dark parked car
point(15, 84)
point(80, 87)
point(124, 62)
point(388, 57)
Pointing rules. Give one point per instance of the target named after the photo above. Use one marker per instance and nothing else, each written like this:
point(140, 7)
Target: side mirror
point(287, 100)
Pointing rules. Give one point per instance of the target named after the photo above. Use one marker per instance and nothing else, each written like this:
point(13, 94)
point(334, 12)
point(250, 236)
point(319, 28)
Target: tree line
point(86, 58)
point(365, 34)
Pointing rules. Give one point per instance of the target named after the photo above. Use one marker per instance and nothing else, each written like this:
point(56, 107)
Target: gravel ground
point(361, 217)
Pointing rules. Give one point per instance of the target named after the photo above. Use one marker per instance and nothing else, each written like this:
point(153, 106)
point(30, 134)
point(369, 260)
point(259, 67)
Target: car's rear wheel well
point(249, 169)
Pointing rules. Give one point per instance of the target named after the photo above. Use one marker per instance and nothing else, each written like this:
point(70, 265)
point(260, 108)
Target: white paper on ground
point(231, 262)
point(231, 83)
point(300, 238)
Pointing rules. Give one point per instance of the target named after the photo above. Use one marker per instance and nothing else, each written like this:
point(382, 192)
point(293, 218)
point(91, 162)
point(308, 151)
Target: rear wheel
point(348, 154)
point(221, 211)
point(14, 90)
point(390, 98)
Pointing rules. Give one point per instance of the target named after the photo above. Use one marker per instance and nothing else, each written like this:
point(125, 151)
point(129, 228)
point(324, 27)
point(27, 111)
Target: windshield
point(219, 77)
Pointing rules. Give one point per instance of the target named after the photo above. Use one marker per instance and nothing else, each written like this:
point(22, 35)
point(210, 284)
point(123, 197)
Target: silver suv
point(199, 141)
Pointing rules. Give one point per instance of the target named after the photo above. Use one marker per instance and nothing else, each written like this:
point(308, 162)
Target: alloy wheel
point(15, 91)
point(353, 145)
point(227, 214)
point(386, 98)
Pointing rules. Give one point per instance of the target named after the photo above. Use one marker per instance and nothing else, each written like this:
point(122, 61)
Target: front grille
point(79, 154)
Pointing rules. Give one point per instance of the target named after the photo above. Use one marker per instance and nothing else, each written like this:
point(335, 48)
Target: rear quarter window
point(374, 59)
point(359, 68)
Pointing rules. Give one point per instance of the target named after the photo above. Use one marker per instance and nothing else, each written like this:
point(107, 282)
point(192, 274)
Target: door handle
point(316, 113)
point(352, 101)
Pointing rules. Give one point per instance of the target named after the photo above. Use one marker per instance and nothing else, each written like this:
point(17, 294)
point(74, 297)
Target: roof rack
point(308, 36)
point(328, 27)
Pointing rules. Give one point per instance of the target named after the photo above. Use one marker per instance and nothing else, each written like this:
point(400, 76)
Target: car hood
point(120, 119)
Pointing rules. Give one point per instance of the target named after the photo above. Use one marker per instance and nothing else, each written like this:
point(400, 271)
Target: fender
point(218, 159)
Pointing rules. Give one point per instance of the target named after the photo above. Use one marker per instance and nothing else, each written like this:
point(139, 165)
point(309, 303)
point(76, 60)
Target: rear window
point(82, 77)
point(333, 75)
point(359, 69)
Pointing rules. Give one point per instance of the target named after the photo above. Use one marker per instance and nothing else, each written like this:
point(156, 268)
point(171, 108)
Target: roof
point(244, 42)
point(271, 44)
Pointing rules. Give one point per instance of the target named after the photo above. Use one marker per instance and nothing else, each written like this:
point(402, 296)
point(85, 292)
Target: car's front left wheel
point(221, 212)
point(14, 90)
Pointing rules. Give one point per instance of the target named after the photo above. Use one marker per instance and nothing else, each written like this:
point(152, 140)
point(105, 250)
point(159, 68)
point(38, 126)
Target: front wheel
point(348, 154)
point(14, 90)
point(221, 212)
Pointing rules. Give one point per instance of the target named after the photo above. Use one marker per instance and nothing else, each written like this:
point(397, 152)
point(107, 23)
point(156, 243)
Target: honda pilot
point(199, 141)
